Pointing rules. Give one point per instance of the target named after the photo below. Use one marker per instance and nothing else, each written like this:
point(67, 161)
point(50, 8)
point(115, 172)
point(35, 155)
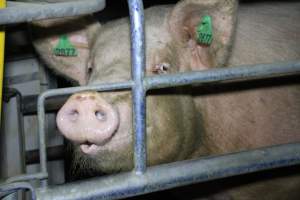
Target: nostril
point(100, 115)
point(73, 115)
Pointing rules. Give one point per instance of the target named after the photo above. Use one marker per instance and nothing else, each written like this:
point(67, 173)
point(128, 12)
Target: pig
point(182, 123)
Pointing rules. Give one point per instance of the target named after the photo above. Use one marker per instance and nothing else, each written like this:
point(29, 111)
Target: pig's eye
point(90, 69)
point(161, 68)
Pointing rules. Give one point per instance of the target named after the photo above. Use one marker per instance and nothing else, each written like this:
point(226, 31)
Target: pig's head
point(100, 124)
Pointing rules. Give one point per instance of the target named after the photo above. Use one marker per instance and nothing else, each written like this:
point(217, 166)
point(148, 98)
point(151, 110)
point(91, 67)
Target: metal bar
point(26, 12)
point(10, 188)
point(27, 177)
point(154, 82)
point(42, 138)
point(217, 76)
point(136, 11)
point(100, 88)
point(8, 94)
point(19, 152)
point(223, 74)
point(175, 174)
point(21, 130)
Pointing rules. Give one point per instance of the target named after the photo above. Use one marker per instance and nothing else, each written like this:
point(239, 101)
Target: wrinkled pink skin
point(184, 126)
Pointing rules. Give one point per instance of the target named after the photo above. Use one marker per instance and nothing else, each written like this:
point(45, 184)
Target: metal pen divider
point(18, 12)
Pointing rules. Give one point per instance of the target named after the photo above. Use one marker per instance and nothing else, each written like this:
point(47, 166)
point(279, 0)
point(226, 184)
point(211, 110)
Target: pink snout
point(88, 120)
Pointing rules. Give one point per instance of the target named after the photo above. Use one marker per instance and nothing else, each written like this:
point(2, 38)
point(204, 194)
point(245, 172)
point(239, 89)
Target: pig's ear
point(204, 30)
point(64, 45)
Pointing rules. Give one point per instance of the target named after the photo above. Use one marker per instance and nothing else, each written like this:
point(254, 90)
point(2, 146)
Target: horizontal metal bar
point(27, 177)
point(27, 12)
point(10, 188)
point(100, 87)
point(223, 74)
point(175, 174)
point(218, 76)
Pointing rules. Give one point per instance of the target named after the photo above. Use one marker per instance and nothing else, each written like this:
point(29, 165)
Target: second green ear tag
point(64, 47)
point(204, 32)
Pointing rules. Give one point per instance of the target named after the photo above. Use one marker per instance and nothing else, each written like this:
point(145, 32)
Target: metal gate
point(142, 179)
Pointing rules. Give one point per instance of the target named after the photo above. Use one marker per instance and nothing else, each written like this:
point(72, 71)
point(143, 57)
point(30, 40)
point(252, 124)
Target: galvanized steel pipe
point(220, 75)
point(136, 11)
point(27, 12)
point(27, 177)
point(175, 174)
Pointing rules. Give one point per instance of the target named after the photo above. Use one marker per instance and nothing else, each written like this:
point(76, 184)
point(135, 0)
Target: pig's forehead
point(113, 41)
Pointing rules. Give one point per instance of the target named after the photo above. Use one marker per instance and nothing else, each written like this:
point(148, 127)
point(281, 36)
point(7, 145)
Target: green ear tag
point(204, 31)
point(64, 47)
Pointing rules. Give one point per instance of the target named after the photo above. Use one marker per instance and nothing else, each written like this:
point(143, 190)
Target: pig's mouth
point(89, 148)
point(92, 148)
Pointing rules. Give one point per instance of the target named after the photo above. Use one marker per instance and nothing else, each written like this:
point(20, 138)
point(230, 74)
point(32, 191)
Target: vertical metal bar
point(136, 11)
point(42, 139)
point(15, 138)
point(21, 194)
point(21, 130)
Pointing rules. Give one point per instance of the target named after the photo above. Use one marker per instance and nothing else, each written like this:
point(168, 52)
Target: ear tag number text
point(64, 47)
point(204, 31)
